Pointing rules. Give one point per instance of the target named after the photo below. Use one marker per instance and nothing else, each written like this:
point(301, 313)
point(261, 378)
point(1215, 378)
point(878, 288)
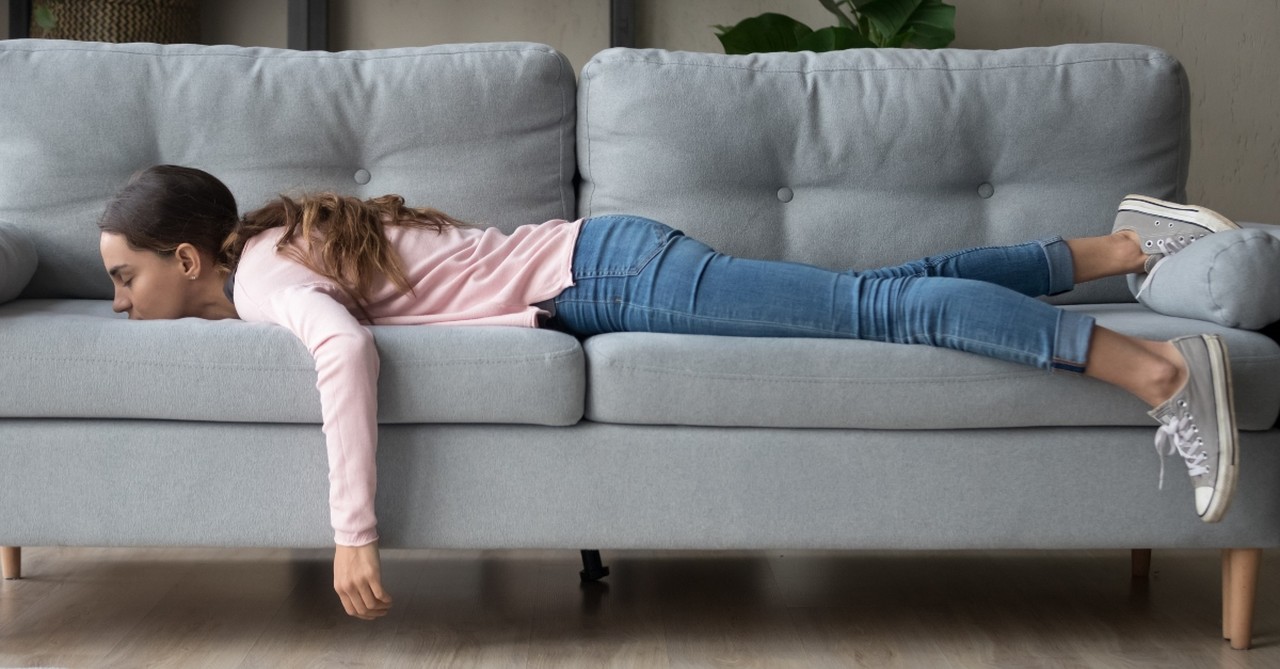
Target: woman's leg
point(638, 275)
point(632, 274)
point(1043, 267)
point(1152, 370)
point(1108, 255)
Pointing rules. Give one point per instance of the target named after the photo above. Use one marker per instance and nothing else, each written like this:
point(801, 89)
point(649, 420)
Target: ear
point(188, 260)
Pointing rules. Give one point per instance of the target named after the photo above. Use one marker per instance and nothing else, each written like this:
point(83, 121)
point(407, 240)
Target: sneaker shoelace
point(1168, 246)
point(1181, 436)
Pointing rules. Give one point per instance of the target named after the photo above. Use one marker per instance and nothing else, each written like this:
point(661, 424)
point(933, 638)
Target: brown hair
point(166, 205)
point(346, 237)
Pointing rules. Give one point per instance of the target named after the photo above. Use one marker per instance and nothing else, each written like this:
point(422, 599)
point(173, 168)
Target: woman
point(325, 265)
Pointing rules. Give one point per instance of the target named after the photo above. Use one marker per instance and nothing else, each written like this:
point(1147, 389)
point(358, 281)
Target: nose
point(120, 303)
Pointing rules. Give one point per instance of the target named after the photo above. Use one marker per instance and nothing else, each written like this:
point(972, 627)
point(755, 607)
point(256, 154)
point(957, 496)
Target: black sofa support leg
point(592, 569)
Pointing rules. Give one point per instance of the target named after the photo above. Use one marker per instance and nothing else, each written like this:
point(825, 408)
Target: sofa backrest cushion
point(484, 132)
point(864, 158)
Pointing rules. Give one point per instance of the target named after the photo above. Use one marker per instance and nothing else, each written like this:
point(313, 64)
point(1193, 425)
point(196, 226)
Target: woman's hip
point(619, 245)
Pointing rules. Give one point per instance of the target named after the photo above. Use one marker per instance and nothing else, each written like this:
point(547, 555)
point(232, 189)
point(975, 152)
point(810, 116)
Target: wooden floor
point(162, 607)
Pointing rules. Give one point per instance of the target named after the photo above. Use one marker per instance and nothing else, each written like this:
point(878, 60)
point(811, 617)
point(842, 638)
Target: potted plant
point(925, 24)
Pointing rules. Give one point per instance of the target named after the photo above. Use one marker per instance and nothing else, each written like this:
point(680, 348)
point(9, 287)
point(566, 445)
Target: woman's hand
point(357, 577)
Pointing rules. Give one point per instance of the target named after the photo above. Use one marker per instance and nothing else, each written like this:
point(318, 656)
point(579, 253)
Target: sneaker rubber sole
point(1228, 451)
point(1187, 213)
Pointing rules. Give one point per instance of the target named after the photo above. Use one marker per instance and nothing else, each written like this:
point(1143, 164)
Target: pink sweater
point(462, 276)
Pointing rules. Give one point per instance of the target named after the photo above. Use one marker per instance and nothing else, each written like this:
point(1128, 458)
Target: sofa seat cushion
point(832, 383)
point(78, 359)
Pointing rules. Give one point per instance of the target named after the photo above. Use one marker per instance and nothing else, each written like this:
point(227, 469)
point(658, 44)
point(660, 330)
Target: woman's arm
point(347, 377)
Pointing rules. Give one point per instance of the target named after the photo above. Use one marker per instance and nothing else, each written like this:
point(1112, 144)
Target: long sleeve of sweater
point(459, 277)
point(347, 367)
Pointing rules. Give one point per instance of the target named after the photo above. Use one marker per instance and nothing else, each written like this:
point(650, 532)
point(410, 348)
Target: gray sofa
point(206, 433)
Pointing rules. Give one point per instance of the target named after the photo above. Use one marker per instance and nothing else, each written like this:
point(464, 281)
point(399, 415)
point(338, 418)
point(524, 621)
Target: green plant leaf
point(897, 41)
point(833, 38)
point(44, 17)
point(833, 6)
point(927, 24)
point(888, 17)
point(933, 25)
point(767, 32)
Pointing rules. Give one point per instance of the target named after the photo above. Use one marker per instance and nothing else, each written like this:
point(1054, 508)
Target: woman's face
point(148, 286)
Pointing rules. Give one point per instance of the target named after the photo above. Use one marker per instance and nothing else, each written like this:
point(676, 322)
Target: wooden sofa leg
point(11, 561)
point(1140, 561)
point(1240, 582)
point(1226, 594)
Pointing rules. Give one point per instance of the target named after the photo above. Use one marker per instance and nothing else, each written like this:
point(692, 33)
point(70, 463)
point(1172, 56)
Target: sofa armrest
point(17, 261)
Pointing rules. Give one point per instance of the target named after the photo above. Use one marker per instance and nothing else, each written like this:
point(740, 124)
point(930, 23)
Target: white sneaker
point(1164, 228)
point(1199, 424)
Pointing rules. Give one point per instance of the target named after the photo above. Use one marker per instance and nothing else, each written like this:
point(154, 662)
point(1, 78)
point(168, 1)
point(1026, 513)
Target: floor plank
point(599, 624)
point(248, 608)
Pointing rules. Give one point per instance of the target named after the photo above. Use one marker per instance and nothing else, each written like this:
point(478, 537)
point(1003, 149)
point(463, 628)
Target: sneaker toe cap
point(1204, 495)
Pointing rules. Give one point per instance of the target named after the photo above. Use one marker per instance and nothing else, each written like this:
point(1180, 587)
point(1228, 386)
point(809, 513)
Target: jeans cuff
point(1062, 269)
point(1071, 342)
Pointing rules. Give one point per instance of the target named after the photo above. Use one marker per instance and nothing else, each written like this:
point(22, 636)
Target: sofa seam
point(584, 114)
point(1208, 277)
point(798, 379)
point(1029, 373)
point(1151, 59)
point(283, 55)
point(560, 186)
point(1182, 168)
point(473, 362)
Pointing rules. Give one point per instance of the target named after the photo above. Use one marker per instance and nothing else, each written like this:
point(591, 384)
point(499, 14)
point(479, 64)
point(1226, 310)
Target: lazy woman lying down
point(325, 266)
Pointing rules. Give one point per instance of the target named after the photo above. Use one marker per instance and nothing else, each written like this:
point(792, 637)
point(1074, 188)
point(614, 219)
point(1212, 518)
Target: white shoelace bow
point(1182, 437)
point(1169, 246)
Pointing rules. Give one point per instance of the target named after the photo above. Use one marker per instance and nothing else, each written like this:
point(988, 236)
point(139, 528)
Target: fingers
point(379, 592)
point(350, 608)
point(372, 605)
point(361, 604)
point(358, 581)
point(359, 600)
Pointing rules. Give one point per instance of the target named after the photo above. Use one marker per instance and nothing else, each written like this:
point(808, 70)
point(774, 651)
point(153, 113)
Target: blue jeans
point(635, 274)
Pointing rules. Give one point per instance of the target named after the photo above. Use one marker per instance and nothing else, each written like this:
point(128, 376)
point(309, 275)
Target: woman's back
point(460, 275)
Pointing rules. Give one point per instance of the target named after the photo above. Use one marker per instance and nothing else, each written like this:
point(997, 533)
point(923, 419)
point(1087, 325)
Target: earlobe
point(190, 259)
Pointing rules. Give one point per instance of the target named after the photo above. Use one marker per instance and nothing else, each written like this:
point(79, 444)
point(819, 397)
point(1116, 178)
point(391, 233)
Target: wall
point(1227, 46)
point(245, 22)
point(578, 28)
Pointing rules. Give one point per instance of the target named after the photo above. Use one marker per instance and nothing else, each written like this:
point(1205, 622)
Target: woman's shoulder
point(263, 269)
point(261, 242)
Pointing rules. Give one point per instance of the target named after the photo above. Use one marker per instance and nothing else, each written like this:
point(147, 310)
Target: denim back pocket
point(618, 245)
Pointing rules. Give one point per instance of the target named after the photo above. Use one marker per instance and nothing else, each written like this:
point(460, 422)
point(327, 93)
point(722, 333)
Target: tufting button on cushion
point(785, 194)
point(986, 190)
point(362, 177)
